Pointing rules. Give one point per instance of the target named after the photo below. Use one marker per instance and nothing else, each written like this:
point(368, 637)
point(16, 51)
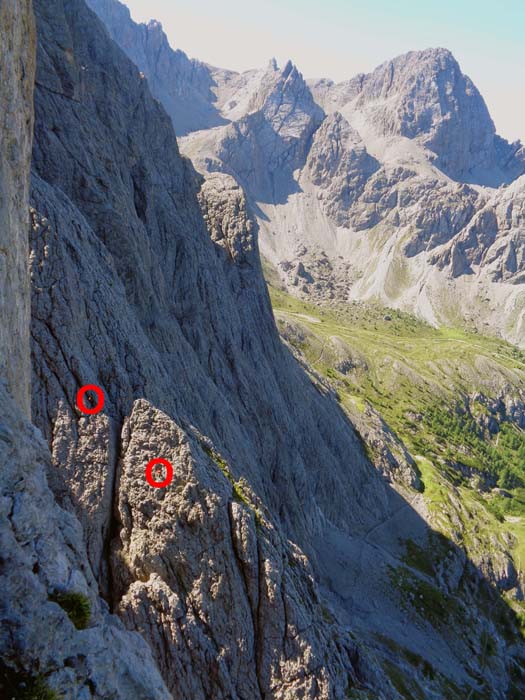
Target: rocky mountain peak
point(427, 85)
point(155, 25)
point(424, 95)
point(287, 104)
point(182, 85)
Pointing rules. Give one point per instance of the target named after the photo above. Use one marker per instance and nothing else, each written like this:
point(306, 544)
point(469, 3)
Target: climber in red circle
point(149, 473)
point(100, 399)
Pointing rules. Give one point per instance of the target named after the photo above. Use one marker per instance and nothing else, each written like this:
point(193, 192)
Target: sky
point(339, 38)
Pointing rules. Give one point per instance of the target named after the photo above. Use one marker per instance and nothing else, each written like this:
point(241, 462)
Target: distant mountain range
point(391, 186)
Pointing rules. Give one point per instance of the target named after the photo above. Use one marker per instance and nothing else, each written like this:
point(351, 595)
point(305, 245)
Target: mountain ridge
point(275, 564)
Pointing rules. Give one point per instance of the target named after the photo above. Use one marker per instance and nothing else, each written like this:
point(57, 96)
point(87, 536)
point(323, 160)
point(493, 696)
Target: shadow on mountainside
point(133, 290)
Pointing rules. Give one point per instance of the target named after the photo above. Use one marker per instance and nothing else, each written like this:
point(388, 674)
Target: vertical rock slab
point(17, 70)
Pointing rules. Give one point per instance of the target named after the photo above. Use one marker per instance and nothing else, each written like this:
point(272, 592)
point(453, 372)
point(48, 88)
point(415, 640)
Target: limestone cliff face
point(147, 282)
point(43, 556)
point(184, 86)
point(424, 95)
point(17, 50)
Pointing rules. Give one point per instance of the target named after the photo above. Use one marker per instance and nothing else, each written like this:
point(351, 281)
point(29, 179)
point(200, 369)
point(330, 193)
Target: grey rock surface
point(17, 71)
point(339, 165)
point(424, 95)
point(146, 280)
point(229, 606)
point(263, 148)
point(43, 554)
point(183, 85)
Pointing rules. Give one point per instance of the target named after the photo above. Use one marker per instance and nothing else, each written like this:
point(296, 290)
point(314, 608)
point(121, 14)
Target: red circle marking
point(100, 399)
point(149, 473)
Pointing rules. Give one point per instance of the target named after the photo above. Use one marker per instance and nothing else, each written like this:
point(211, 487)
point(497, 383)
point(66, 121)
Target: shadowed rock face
point(42, 547)
point(204, 344)
point(183, 85)
point(147, 282)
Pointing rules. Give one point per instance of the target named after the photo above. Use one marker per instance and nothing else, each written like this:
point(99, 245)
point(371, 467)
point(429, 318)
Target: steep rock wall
point(147, 282)
point(17, 72)
point(43, 557)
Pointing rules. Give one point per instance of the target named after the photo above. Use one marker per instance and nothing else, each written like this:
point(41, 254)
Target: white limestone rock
point(424, 95)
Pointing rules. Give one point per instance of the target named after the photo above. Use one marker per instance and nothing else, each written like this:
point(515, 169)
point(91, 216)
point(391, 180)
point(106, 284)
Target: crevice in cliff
point(254, 613)
point(259, 641)
point(109, 589)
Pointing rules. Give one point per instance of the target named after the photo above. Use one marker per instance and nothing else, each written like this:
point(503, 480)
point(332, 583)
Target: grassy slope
point(417, 377)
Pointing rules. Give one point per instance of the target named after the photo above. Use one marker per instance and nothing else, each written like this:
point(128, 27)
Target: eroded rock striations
point(43, 557)
point(147, 282)
point(17, 51)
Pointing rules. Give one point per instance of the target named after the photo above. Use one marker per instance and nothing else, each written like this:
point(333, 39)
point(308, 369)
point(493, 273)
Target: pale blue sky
point(339, 38)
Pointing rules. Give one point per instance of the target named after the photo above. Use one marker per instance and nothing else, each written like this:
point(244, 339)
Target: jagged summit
point(424, 95)
point(155, 25)
point(282, 92)
point(183, 85)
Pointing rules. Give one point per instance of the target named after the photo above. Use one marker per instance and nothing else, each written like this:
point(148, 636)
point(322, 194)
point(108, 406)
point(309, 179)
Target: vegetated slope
point(147, 281)
point(448, 402)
